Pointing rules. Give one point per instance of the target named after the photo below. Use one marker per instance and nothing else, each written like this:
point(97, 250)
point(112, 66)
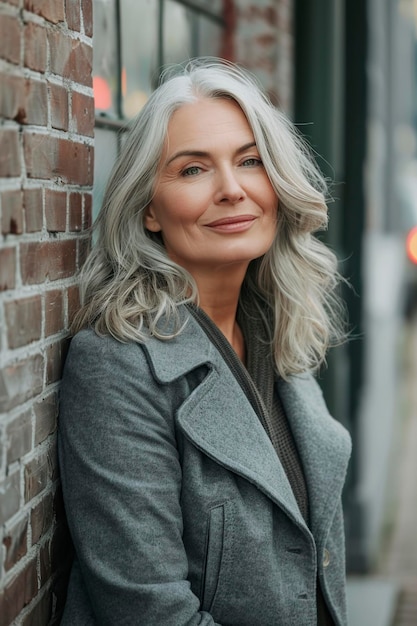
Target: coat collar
point(221, 422)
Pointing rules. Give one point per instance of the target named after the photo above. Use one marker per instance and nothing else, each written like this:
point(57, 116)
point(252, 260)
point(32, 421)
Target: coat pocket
point(213, 557)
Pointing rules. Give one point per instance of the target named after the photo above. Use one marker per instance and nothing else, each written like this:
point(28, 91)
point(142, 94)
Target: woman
point(201, 471)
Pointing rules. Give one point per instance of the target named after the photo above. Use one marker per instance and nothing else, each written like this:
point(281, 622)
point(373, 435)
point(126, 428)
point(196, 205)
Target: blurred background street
point(387, 596)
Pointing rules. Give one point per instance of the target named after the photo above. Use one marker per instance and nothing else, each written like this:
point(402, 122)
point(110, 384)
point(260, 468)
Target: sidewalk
point(390, 597)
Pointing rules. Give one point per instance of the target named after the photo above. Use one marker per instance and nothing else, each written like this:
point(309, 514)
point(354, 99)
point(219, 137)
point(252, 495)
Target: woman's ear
point(151, 222)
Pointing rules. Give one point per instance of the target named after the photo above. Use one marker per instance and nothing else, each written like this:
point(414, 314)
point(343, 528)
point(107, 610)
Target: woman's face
point(214, 204)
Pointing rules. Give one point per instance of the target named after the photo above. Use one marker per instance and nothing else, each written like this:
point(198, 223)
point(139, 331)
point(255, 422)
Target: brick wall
point(264, 43)
point(46, 172)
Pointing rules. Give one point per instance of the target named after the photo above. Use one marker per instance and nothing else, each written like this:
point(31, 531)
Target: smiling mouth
point(232, 223)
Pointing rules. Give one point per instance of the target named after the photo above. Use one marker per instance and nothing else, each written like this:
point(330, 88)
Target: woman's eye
point(191, 171)
point(252, 162)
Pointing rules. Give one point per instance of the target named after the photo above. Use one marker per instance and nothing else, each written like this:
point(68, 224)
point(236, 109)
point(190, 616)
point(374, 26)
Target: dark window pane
point(105, 76)
point(178, 25)
point(139, 41)
point(209, 37)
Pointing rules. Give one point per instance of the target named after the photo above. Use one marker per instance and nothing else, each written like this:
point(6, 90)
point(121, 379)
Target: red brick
point(83, 113)
point(87, 11)
point(35, 52)
point(51, 10)
point(10, 496)
point(32, 202)
point(72, 10)
point(47, 259)
point(54, 312)
point(46, 412)
point(15, 543)
point(12, 212)
point(37, 472)
point(75, 212)
point(81, 64)
point(41, 612)
point(41, 518)
point(24, 321)
point(45, 565)
point(18, 593)
point(7, 268)
point(58, 159)
point(9, 154)
point(9, 39)
point(23, 100)
point(73, 302)
point(19, 436)
point(70, 58)
point(55, 210)
point(21, 381)
point(55, 359)
point(88, 210)
point(59, 107)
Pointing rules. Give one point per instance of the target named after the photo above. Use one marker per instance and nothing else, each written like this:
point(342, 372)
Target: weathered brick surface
point(46, 416)
point(37, 473)
point(7, 268)
point(10, 497)
point(87, 13)
point(45, 203)
point(52, 10)
point(33, 209)
point(9, 156)
point(54, 312)
point(47, 260)
point(16, 543)
point(10, 31)
point(11, 212)
point(55, 210)
point(18, 593)
point(21, 381)
point(35, 52)
point(82, 113)
point(88, 211)
point(59, 107)
point(75, 212)
point(23, 100)
point(72, 11)
point(24, 320)
point(19, 436)
point(55, 357)
point(70, 57)
point(62, 160)
point(263, 42)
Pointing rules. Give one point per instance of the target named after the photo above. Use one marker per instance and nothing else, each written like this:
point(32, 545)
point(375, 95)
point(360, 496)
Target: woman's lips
point(237, 223)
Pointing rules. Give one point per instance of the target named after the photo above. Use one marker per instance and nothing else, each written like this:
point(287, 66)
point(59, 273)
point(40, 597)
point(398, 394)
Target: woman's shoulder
point(92, 352)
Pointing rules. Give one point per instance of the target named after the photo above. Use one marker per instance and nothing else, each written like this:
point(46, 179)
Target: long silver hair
point(130, 287)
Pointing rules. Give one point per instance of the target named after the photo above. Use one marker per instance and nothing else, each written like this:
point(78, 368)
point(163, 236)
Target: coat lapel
point(323, 445)
point(218, 418)
point(221, 422)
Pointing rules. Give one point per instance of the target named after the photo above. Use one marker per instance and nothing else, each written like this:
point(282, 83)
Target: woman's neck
point(219, 299)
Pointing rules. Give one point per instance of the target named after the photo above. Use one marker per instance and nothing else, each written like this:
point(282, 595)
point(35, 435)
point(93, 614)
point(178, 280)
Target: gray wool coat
point(179, 508)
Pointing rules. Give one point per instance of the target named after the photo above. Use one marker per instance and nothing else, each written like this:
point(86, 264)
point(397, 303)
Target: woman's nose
point(228, 188)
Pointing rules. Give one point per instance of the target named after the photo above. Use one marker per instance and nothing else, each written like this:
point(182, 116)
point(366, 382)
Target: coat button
point(326, 557)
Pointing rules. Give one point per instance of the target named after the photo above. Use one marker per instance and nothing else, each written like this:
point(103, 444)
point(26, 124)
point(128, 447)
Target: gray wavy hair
point(131, 289)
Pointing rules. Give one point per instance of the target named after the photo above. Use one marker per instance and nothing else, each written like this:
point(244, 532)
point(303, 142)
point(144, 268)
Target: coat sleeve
point(121, 480)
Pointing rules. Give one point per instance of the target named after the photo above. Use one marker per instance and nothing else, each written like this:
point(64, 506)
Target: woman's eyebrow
point(204, 154)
